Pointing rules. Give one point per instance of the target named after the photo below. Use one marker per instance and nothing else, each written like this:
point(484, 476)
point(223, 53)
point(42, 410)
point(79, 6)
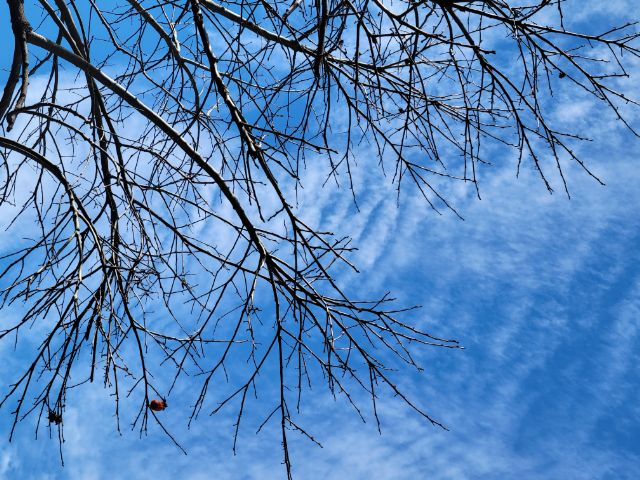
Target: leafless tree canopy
point(158, 147)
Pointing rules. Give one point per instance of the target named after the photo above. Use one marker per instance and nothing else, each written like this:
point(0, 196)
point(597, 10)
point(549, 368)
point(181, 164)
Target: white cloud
point(504, 282)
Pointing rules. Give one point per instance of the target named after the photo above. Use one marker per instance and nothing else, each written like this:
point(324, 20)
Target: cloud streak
point(543, 292)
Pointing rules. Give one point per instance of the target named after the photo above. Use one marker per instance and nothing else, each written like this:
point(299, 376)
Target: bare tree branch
point(158, 148)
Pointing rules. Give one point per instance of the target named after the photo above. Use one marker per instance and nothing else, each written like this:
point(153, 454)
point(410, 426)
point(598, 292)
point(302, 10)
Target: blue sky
point(542, 291)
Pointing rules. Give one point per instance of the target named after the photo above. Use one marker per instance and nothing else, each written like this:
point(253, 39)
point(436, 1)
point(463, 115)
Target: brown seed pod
point(158, 405)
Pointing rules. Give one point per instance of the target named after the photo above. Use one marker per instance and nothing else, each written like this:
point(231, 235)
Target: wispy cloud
point(544, 293)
